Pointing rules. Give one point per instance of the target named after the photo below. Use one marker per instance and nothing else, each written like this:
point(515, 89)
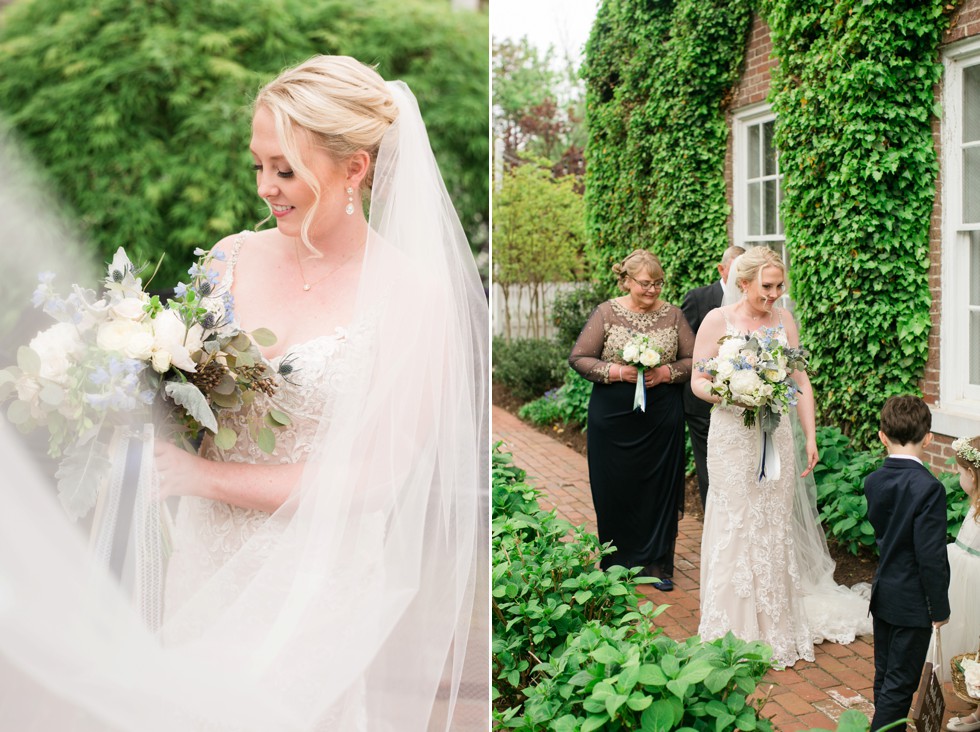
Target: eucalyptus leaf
point(29, 361)
point(52, 395)
point(283, 419)
point(264, 337)
point(226, 401)
point(225, 438)
point(267, 440)
point(19, 412)
point(190, 398)
point(227, 385)
point(80, 476)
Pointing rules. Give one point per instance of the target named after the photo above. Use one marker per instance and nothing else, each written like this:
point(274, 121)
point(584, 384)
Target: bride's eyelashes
point(281, 173)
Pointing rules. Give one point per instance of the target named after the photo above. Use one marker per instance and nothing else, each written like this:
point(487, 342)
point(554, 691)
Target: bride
point(766, 573)
point(340, 582)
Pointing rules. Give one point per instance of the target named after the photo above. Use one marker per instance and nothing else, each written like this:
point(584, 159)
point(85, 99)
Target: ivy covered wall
point(854, 97)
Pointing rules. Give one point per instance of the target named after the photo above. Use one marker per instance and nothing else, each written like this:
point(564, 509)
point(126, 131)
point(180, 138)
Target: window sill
point(961, 419)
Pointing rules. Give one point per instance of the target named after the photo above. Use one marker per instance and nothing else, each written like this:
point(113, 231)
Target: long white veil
point(362, 602)
point(835, 612)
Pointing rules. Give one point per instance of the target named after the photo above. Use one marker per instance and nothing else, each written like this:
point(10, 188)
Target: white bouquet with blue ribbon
point(752, 371)
point(640, 351)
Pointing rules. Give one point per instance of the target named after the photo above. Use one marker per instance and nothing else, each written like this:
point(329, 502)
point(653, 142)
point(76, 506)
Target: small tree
point(539, 231)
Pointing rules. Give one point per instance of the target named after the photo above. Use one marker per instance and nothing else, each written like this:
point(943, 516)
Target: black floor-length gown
point(636, 458)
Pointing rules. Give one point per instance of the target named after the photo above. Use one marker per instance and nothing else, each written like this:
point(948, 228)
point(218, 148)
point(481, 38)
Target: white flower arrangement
point(112, 357)
point(753, 372)
point(971, 676)
point(965, 450)
point(640, 351)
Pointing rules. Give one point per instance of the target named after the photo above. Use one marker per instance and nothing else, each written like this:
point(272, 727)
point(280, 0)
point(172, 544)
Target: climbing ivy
point(854, 100)
point(659, 75)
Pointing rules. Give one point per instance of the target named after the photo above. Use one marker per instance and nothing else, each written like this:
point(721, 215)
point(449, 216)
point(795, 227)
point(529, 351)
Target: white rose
point(649, 358)
point(174, 343)
point(730, 347)
point(776, 375)
point(129, 308)
point(725, 371)
point(58, 347)
point(631, 353)
point(745, 383)
point(132, 339)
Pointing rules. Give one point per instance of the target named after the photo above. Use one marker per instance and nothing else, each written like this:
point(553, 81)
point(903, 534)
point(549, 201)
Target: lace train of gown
point(763, 576)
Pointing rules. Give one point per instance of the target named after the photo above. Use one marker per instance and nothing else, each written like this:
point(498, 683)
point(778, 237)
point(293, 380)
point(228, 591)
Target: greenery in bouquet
point(640, 351)
point(114, 358)
point(753, 372)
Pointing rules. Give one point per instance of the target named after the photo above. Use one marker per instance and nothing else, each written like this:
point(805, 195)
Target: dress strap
point(236, 246)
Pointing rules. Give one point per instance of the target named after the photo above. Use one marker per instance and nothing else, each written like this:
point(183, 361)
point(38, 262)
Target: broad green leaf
point(283, 419)
point(225, 438)
point(228, 401)
point(29, 361)
point(264, 337)
point(594, 722)
point(52, 395)
point(19, 412)
point(652, 675)
point(606, 654)
point(267, 440)
point(658, 718)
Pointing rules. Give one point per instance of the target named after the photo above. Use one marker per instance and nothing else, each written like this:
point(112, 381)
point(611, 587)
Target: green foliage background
point(854, 99)
point(138, 110)
point(658, 76)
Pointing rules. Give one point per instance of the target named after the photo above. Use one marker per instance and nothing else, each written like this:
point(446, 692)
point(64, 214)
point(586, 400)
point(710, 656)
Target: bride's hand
point(180, 472)
point(812, 457)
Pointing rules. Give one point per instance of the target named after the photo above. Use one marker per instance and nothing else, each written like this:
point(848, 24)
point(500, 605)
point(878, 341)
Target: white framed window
point(757, 182)
point(959, 353)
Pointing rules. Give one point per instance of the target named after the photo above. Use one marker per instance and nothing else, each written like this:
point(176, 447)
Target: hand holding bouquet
point(113, 356)
point(641, 352)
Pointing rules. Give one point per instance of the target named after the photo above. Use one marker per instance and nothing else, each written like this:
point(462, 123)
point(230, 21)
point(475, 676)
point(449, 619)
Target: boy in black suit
point(907, 507)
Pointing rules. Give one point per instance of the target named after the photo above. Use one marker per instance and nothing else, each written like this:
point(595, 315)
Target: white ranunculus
point(725, 371)
point(129, 308)
point(172, 338)
point(730, 347)
point(649, 358)
point(58, 347)
point(745, 383)
point(631, 353)
point(132, 339)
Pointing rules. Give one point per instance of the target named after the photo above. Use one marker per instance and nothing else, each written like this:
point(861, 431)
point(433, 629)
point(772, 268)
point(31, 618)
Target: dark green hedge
point(138, 109)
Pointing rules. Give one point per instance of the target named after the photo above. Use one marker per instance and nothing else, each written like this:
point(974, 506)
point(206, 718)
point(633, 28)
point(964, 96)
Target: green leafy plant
point(529, 366)
point(570, 309)
point(138, 111)
point(568, 404)
point(636, 678)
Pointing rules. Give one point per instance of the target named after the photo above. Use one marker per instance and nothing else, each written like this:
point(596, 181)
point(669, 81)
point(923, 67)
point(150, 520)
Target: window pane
point(975, 348)
point(769, 206)
point(768, 150)
point(753, 160)
point(755, 205)
point(971, 185)
point(975, 269)
point(971, 103)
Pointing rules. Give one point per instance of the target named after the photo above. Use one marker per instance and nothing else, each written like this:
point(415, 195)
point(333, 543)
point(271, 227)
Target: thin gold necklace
point(307, 286)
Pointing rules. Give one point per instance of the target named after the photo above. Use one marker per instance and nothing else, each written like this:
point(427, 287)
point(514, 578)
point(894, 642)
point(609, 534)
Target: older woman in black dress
point(636, 458)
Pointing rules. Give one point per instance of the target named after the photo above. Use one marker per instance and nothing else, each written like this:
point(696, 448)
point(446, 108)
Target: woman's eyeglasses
point(645, 286)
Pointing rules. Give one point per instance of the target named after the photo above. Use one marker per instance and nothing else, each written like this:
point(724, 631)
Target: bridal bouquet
point(752, 372)
point(113, 357)
point(641, 352)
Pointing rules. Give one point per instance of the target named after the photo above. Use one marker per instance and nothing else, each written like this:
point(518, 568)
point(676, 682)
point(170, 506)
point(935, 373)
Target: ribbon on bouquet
point(768, 455)
point(131, 527)
point(640, 394)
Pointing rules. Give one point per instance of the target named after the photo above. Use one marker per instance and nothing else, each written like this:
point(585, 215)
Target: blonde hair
point(337, 104)
point(635, 262)
point(963, 462)
point(749, 266)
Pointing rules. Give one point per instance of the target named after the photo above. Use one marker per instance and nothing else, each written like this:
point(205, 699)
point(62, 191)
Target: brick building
point(951, 384)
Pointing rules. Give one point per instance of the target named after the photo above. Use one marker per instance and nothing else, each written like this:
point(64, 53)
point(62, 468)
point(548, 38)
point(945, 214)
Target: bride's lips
point(280, 211)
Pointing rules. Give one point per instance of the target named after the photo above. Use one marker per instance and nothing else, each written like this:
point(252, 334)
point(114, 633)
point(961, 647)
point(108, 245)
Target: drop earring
point(350, 201)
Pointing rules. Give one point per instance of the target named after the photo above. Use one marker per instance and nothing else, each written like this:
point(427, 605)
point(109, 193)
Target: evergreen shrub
point(138, 110)
point(529, 366)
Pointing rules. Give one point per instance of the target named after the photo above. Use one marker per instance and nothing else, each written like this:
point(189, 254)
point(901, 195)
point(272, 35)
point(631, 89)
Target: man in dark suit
point(697, 412)
point(907, 508)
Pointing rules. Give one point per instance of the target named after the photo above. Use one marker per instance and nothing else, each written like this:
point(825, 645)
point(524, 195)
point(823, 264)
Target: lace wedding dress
point(765, 571)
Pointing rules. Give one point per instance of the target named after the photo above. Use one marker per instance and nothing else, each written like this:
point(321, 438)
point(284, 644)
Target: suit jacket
point(907, 507)
point(697, 303)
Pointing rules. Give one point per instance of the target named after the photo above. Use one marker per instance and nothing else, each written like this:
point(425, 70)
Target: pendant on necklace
point(306, 288)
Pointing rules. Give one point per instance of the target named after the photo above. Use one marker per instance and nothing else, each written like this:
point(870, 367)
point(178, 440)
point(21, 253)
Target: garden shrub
point(568, 404)
point(137, 110)
point(529, 366)
point(571, 308)
point(843, 508)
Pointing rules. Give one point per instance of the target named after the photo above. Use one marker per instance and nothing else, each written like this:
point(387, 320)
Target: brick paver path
point(806, 696)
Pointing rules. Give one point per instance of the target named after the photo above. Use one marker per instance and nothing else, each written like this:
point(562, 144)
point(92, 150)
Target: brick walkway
point(806, 696)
